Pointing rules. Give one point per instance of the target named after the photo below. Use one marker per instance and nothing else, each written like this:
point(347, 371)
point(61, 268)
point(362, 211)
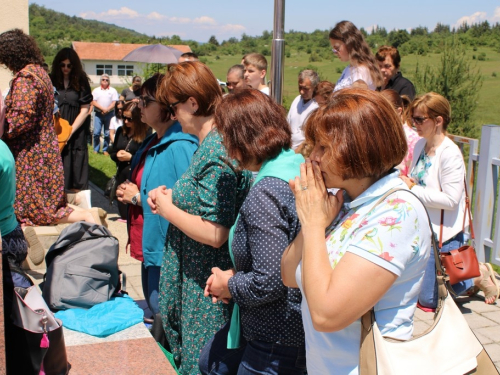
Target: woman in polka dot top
point(256, 133)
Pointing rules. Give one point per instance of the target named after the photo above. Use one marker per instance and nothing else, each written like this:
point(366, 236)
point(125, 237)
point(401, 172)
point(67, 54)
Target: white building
point(100, 58)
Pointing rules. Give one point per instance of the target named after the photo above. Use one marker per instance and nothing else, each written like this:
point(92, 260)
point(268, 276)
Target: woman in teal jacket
point(161, 160)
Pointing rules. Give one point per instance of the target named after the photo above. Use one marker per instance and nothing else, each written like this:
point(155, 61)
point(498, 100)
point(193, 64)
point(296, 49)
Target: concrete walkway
point(482, 318)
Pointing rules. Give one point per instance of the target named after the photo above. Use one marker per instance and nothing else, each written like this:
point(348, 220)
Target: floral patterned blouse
point(421, 170)
point(30, 135)
point(394, 235)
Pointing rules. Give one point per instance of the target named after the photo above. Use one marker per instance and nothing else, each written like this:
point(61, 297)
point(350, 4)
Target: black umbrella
point(154, 54)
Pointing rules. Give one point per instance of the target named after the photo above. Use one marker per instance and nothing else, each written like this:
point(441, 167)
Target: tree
point(213, 40)
point(397, 38)
point(458, 81)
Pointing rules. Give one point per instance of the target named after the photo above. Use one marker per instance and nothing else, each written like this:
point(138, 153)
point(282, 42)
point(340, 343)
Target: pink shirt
point(411, 138)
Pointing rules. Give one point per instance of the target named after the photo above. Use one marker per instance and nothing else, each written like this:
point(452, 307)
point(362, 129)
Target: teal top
point(285, 166)
point(8, 221)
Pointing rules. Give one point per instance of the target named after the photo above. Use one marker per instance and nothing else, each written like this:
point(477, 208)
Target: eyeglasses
point(125, 118)
point(63, 65)
point(145, 100)
point(419, 120)
point(105, 80)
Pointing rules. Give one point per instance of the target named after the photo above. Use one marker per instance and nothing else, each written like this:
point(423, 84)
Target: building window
point(125, 70)
point(101, 69)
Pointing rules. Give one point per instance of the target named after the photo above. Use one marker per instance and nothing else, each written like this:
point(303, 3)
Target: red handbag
point(460, 264)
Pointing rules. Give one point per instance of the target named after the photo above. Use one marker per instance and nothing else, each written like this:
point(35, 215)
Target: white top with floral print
point(395, 235)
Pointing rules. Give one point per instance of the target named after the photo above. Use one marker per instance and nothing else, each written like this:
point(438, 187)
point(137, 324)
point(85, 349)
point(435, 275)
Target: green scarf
point(285, 166)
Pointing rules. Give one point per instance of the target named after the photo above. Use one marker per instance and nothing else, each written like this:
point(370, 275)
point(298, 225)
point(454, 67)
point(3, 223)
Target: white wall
point(14, 14)
point(90, 67)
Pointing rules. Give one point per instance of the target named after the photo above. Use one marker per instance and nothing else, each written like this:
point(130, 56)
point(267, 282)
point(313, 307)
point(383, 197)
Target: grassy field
point(488, 111)
point(101, 168)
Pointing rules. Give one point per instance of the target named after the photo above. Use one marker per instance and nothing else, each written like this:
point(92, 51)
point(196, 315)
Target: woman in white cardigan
point(437, 177)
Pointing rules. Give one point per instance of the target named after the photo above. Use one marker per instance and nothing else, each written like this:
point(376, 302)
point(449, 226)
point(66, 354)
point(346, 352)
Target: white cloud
point(472, 19)
point(480, 17)
point(127, 14)
point(205, 21)
point(122, 13)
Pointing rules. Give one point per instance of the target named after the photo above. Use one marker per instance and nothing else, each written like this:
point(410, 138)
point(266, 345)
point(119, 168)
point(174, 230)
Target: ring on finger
point(304, 187)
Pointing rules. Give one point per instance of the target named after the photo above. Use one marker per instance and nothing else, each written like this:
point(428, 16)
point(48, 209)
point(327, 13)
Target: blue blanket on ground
point(103, 319)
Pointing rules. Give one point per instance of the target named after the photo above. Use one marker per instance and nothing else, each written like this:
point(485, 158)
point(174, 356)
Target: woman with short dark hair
point(161, 160)
point(355, 252)
point(201, 208)
point(73, 99)
point(257, 134)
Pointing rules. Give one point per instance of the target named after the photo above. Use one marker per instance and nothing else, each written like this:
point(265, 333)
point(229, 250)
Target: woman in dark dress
point(128, 140)
point(74, 98)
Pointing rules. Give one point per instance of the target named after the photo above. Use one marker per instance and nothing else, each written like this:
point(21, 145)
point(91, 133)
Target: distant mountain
point(54, 30)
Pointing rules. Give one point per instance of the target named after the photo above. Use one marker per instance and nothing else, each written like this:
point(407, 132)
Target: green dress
point(214, 189)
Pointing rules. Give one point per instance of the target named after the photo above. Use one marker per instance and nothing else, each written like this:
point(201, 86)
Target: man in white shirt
point(302, 105)
point(105, 97)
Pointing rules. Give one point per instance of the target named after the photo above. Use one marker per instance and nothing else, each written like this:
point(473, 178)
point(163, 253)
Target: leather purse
point(460, 264)
point(448, 347)
point(37, 338)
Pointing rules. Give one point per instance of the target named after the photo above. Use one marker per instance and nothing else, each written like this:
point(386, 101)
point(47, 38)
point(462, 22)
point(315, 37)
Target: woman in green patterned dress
point(201, 208)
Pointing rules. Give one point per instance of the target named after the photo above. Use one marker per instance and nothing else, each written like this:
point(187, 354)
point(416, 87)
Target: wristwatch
point(135, 199)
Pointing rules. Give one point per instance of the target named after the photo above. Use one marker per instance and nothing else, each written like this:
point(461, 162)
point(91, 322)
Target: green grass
point(488, 111)
point(101, 168)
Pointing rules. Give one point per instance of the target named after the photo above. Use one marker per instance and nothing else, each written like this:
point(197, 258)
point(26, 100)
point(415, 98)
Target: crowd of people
point(263, 236)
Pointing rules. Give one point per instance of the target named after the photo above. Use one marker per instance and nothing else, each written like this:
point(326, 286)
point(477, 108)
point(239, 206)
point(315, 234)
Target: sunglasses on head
point(63, 65)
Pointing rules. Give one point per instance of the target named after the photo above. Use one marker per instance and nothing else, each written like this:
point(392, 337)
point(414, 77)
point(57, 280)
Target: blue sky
point(199, 19)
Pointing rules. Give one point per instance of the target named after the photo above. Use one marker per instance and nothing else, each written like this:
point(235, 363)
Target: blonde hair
point(257, 60)
point(433, 105)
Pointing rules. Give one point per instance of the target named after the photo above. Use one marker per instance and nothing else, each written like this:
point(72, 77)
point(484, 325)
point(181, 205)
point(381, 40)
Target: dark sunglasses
point(145, 100)
point(125, 118)
point(63, 65)
point(419, 120)
point(171, 107)
point(105, 80)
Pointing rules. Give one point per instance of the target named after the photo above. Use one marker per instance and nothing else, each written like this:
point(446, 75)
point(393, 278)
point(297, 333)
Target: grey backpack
point(82, 267)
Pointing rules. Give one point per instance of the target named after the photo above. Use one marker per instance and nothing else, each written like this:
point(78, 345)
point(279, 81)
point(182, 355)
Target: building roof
point(111, 51)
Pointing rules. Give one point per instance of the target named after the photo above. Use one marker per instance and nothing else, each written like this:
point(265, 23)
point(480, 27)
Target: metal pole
point(278, 51)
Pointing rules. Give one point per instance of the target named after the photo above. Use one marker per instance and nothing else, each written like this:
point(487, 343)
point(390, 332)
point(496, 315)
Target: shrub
point(458, 81)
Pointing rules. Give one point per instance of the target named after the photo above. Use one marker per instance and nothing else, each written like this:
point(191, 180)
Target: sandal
point(488, 283)
point(36, 252)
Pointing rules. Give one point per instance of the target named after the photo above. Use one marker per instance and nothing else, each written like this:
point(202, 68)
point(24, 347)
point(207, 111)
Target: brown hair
point(140, 128)
point(433, 105)
point(18, 49)
point(253, 126)
point(190, 79)
point(397, 101)
point(361, 133)
point(359, 51)
point(325, 89)
point(77, 75)
point(385, 51)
